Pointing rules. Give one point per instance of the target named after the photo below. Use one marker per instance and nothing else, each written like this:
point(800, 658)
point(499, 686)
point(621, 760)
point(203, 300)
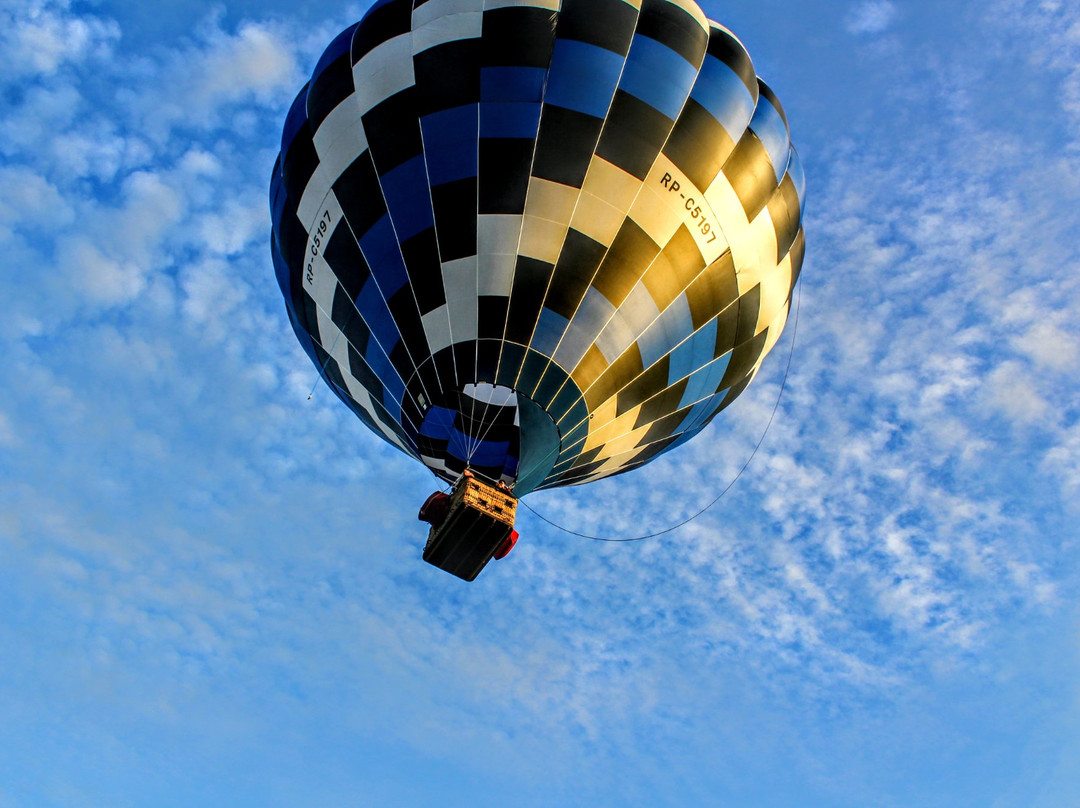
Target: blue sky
point(211, 587)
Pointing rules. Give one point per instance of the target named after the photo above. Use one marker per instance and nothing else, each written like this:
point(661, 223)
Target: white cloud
point(28, 200)
point(236, 226)
point(1013, 391)
point(111, 260)
point(1062, 463)
point(213, 295)
point(104, 279)
point(870, 17)
point(1049, 346)
point(211, 82)
point(93, 150)
point(1053, 42)
point(40, 36)
point(42, 113)
point(256, 60)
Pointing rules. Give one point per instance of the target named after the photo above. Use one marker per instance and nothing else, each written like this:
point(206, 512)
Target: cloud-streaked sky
point(211, 588)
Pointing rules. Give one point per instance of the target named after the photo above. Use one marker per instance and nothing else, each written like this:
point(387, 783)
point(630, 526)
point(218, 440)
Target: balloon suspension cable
point(691, 518)
point(325, 362)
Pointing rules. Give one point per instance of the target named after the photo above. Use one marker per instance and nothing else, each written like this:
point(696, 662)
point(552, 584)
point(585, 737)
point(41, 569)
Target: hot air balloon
point(540, 242)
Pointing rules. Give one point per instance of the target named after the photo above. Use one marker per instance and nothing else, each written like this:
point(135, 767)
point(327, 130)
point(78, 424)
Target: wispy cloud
point(870, 17)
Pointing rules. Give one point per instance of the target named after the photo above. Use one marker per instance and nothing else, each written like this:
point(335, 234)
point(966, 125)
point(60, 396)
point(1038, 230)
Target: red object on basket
point(435, 509)
point(507, 545)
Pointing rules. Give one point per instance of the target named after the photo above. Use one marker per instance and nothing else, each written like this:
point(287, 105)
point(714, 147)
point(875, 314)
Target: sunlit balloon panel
point(543, 241)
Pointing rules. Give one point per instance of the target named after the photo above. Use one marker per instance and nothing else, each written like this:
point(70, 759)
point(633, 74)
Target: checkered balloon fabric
point(543, 240)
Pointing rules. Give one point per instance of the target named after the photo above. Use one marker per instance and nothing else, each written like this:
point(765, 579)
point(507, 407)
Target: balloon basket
point(478, 523)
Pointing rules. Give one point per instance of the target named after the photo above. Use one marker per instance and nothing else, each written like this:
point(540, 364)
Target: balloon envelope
point(544, 240)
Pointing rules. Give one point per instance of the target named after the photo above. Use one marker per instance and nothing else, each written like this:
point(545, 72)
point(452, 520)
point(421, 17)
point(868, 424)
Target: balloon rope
point(689, 519)
point(325, 362)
